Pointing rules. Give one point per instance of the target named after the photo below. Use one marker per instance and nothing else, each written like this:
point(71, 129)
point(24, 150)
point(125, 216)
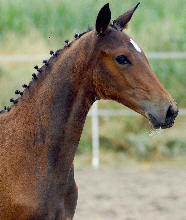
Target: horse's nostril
point(170, 113)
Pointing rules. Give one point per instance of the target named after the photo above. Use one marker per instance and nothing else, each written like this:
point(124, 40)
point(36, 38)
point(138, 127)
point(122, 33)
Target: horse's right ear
point(122, 21)
point(103, 20)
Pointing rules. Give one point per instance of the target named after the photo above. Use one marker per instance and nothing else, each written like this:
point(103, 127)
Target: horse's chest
point(49, 211)
point(46, 204)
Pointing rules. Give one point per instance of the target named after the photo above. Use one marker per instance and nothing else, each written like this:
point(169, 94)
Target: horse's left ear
point(122, 21)
point(103, 20)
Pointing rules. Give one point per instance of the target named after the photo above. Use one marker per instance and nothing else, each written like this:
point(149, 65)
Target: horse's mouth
point(169, 122)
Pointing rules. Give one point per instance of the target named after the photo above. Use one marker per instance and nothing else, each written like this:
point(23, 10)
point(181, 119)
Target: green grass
point(158, 25)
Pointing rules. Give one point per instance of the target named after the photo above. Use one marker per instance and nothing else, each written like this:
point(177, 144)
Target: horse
point(40, 131)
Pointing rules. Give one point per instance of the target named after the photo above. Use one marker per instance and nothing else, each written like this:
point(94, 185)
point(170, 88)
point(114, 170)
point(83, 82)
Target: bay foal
point(40, 133)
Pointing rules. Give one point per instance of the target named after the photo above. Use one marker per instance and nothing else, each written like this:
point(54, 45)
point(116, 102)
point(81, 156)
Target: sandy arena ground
point(131, 194)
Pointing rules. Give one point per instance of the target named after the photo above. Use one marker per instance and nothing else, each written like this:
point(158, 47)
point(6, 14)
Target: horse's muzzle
point(169, 119)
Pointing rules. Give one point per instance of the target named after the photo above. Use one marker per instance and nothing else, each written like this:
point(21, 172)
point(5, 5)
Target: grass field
point(157, 25)
point(38, 26)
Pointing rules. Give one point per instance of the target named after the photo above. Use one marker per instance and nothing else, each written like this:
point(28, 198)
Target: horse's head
point(123, 73)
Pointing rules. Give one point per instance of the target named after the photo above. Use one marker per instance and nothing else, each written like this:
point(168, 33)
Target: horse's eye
point(122, 60)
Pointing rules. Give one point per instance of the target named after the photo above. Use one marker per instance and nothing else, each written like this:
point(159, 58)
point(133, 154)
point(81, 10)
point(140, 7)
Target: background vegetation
point(35, 27)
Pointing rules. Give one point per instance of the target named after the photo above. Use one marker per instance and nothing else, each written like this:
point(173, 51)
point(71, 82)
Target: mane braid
point(43, 70)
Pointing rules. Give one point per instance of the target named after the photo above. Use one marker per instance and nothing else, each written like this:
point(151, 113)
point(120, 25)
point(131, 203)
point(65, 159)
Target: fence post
point(95, 136)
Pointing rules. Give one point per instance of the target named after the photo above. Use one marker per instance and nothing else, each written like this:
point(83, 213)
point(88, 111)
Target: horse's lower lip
point(157, 125)
point(167, 125)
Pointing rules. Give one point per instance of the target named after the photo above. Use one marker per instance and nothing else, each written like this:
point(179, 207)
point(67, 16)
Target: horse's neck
point(56, 109)
point(66, 119)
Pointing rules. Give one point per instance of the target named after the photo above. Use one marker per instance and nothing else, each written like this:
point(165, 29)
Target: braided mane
point(43, 70)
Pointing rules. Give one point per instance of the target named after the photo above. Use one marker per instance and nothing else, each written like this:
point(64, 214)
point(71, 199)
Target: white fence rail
point(120, 112)
point(95, 112)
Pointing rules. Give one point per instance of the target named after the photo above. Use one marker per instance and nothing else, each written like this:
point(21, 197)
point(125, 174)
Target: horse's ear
point(103, 19)
point(122, 21)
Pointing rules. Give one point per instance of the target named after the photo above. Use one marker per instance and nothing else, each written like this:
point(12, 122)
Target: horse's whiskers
point(155, 132)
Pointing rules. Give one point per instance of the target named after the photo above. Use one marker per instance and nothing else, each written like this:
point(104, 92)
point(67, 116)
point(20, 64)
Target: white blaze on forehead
point(135, 45)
